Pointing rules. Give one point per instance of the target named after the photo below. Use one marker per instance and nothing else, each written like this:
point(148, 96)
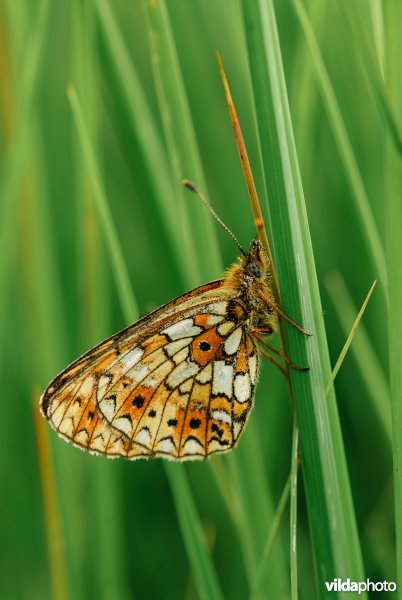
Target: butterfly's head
point(255, 261)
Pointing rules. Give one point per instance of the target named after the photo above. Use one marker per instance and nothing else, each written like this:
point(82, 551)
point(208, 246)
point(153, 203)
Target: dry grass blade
point(56, 557)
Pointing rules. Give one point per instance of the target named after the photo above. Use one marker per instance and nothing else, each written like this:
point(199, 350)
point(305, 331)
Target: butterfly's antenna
point(190, 185)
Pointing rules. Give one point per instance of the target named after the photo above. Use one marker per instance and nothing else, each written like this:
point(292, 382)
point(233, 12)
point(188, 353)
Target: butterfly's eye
point(255, 269)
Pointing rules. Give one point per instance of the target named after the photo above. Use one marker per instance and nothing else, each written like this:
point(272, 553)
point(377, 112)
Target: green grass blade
point(360, 28)
point(56, 555)
point(228, 491)
point(369, 226)
point(168, 190)
point(363, 352)
point(195, 223)
point(123, 284)
point(377, 19)
point(16, 152)
point(304, 97)
point(246, 468)
point(393, 45)
point(336, 549)
point(349, 340)
point(264, 560)
point(194, 537)
point(293, 511)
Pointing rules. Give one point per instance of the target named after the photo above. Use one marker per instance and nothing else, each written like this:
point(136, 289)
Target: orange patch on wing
point(103, 364)
point(240, 409)
point(250, 346)
point(68, 374)
point(219, 436)
point(126, 345)
point(106, 344)
point(195, 423)
point(202, 320)
point(205, 346)
point(181, 400)
point(90, 417)
point(220, 403)
point(136, 402)
point(154, 343)
point(241, 361)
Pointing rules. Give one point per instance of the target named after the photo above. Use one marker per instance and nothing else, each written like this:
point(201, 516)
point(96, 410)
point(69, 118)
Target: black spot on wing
point(138, 401)
point(220, 442)
point(217, 430)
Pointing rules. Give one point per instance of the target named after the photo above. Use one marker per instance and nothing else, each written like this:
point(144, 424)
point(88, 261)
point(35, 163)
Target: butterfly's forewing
point(178, 383)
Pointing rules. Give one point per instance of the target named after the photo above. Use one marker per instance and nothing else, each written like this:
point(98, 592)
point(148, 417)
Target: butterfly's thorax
point(242, 277)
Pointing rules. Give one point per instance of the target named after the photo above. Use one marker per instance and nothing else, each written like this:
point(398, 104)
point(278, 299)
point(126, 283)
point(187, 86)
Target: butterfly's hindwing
point(179, 383)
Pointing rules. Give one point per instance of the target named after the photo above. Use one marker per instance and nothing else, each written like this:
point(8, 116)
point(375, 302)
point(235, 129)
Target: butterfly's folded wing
point(178, 383)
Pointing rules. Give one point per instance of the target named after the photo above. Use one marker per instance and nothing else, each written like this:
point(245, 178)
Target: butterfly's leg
point(274, 362)
point(279, 353)
point(276, 308)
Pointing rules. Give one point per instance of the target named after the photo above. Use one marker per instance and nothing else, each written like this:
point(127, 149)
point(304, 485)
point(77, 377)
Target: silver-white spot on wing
point(214, 319)
point(182, 329)
point(222, 379)
point(130, 359)
point(102, 385)
point(123, 424)
point(166, 445)
point(225, 328)
point(175, 347)
point(143, 436)
point(205, 375)
point(186, 386)
point(221, 415)
point(232, 343)
point(237, 428)
point(157, 375)
point(138, 374)
point(218, 308)
point(180, 356)
point(108, 407)
point(150, 382)
point(252, 361)
point(193, 447)
point(242, 388)
point(181, 373)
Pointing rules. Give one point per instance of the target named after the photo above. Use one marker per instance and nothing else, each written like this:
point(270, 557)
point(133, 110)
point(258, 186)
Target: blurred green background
point(117, 533)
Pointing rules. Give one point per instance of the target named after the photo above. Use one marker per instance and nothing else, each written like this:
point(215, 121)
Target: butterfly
point(180, 382)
